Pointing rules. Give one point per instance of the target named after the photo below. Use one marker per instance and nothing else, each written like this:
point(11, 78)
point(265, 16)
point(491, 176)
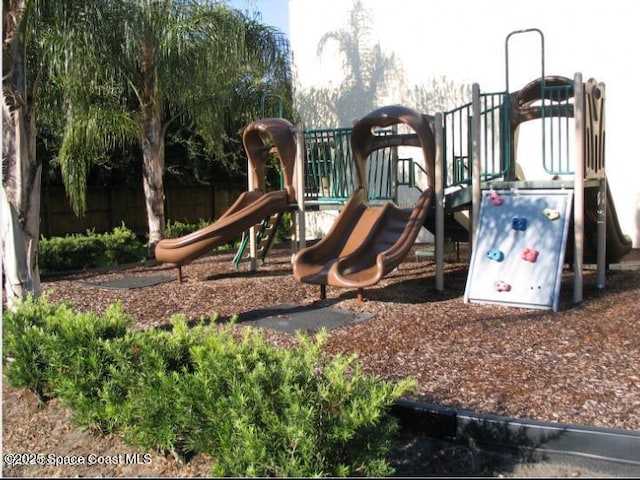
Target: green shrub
point(254, 409)
point(77, 251)
point(176, 228)
point(23, 334)
point(122, 246)
point(283, 233)
point(47, 346)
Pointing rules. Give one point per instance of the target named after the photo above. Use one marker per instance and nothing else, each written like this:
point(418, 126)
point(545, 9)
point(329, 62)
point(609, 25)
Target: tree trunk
point(20, 245)
point(20, 197)
point(152, 173)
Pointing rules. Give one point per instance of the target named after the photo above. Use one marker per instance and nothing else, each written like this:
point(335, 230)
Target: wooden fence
point(108, 208)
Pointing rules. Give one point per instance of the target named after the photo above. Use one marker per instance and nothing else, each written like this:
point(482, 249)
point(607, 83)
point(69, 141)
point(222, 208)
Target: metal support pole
point(476, 163)
point(253, 244)
point(601, 215)
point(439, 198)
point(578, 190)
point(299, 179)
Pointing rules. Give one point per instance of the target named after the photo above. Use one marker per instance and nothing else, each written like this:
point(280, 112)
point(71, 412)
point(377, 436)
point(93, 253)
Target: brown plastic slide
point(248, 210)
point(617, 244)
point(367, 242)
point(261, 139)
point(363, 245)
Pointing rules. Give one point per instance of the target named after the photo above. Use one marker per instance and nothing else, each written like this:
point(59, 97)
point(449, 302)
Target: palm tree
point(171, 60)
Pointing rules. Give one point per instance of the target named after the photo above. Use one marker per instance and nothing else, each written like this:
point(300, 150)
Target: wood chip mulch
point(577, 366)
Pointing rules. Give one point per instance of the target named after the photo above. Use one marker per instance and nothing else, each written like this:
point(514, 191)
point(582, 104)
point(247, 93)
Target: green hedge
point(176, 228)
point(91, 250)
point(121, 246)
point(254, 409)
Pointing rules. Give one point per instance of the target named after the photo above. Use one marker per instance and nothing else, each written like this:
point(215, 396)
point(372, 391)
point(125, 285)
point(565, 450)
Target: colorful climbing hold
point(501, 286)
point(496, 199)
point(530, 254)
point(519, 223)
point(551, 214)
point(495, 255)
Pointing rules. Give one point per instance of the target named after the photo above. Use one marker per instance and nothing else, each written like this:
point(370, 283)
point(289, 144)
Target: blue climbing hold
point(519, 223)
point(495, 255)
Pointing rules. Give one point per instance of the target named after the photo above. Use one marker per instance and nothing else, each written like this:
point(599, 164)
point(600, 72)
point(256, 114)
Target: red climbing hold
point(496, 199)
point(530, 254)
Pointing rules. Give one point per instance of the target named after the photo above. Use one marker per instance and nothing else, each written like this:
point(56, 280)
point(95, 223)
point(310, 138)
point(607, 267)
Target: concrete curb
point(611, 451)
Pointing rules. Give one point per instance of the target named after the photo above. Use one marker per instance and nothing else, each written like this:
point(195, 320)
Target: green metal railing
point(407, 168)
point(457, 146)
point(330, 172)
point(382, 167)
point(557, 111)
point(556, 108)
point(494, 135)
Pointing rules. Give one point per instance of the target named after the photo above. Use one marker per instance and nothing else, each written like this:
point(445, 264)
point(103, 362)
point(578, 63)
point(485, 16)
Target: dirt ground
point(577, 366)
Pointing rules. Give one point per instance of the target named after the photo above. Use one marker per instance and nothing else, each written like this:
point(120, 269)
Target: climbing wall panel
point(519, 248)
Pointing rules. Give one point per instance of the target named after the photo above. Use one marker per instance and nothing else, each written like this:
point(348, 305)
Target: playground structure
point(522, 231)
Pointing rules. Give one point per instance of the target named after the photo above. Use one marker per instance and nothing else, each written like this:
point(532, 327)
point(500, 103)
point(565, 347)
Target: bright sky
point(274, 12)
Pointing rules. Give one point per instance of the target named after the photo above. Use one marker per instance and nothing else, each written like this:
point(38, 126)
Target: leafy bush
point(283, 233)
point(176, 228)
point(77, 251)
point(254, 409)
point(46, 345)
point(122, 246)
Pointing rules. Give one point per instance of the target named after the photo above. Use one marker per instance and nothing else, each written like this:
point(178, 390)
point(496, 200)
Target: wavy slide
point(618, 244)
point(248, 210)
point(364, 244)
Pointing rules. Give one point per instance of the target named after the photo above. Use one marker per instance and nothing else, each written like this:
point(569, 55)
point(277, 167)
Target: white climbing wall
point(519, 248)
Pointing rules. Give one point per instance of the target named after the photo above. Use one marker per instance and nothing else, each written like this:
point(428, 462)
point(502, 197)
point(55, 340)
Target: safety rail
point(407, 168)
point(329, 174)
point(382, 170)
point(457, 146)
point(557, 130)
point(494, 134)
